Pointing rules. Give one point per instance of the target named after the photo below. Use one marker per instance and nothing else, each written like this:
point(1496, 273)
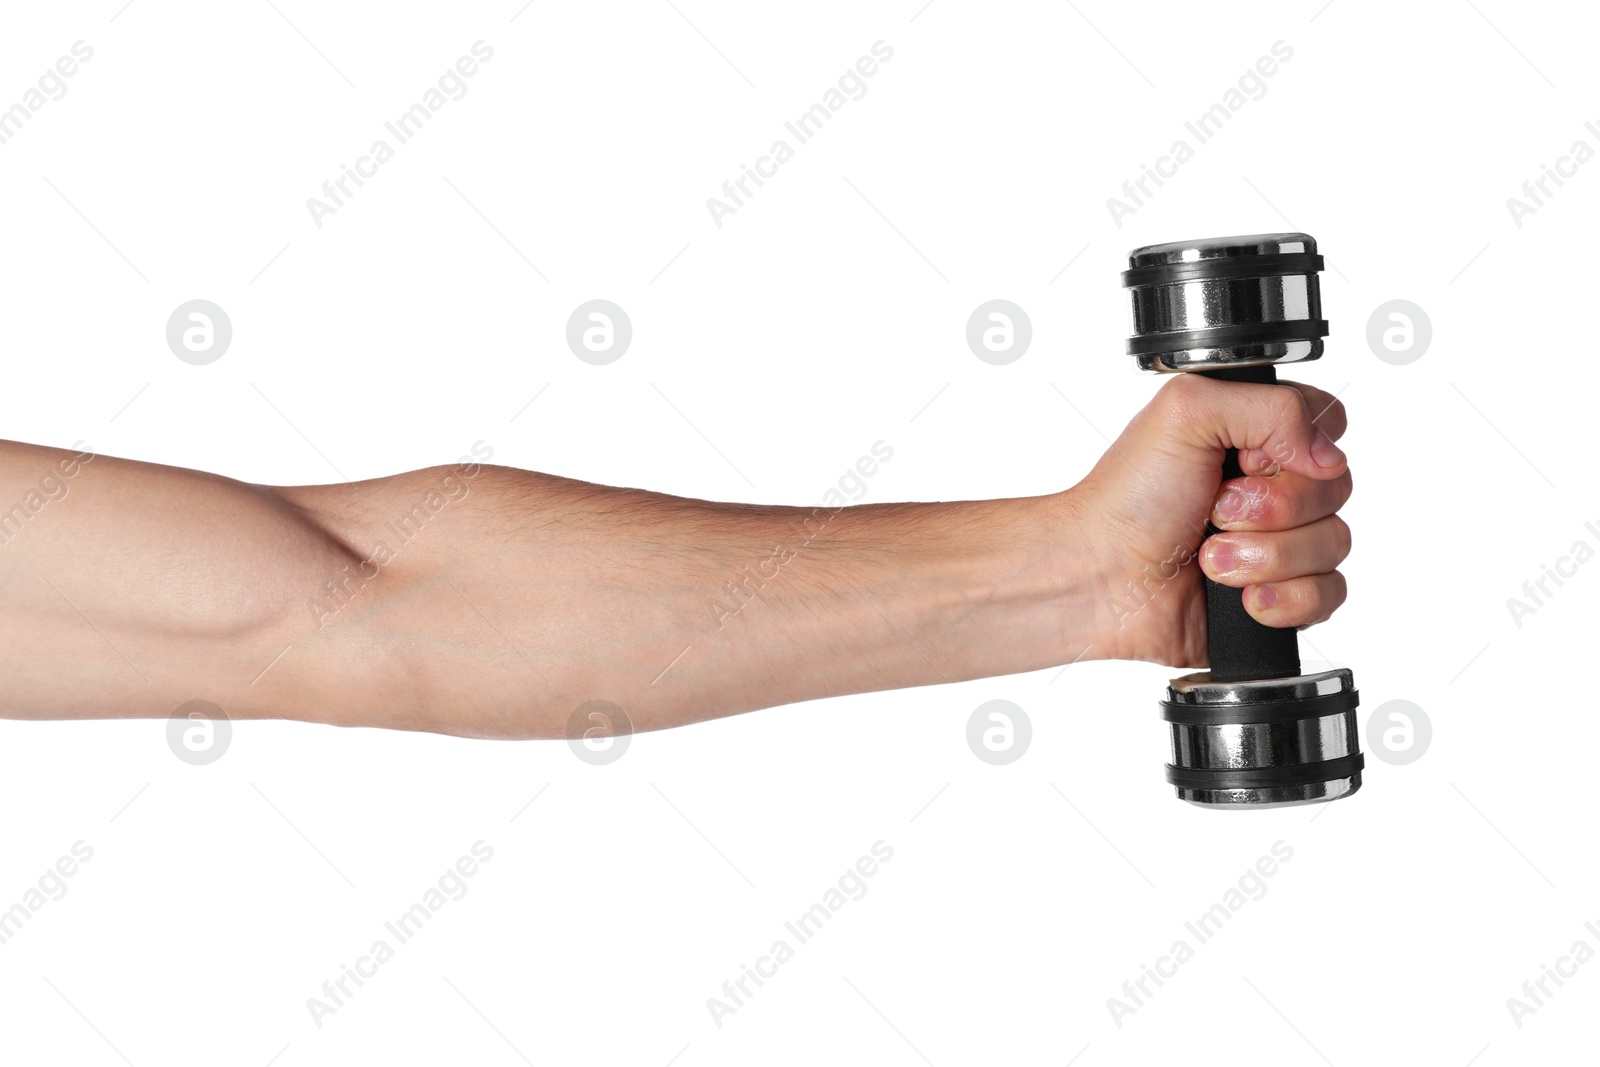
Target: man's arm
point(487, 601)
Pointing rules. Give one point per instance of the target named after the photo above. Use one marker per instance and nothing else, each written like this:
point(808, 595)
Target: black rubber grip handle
point(1241, 649)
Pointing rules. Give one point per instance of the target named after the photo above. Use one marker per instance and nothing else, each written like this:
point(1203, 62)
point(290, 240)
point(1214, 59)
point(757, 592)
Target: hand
point(1147, 502)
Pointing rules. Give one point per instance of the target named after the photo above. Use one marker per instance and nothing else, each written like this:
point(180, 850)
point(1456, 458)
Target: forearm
point(534, 594)
point(488, 601)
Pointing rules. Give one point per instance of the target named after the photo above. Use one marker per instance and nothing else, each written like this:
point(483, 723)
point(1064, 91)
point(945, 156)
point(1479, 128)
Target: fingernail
point(1266, 596)
point(1231, 504)
point(1259, 461)
point(1325, 452)
point(1221, 556)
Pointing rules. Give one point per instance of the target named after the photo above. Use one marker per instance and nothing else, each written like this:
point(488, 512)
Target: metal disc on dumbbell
point(1253, 731)
point(1226, 302)
point(1272, 741)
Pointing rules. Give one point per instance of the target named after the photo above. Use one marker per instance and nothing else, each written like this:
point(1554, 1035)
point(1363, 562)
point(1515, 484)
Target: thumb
point(1274, 423)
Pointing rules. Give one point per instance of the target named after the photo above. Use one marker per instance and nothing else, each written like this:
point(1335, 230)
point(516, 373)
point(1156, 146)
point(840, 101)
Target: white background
point(822, 317)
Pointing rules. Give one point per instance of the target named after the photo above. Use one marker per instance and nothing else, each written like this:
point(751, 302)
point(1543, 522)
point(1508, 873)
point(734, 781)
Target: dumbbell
point(1252, 731)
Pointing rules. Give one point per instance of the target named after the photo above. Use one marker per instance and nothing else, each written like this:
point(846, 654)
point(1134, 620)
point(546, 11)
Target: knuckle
point(1336, 414)
point(1265, 507)
point(1322, 599)
point(1290, 404)
point(1259, 555)
point(1183, 384)
point(1341, 538)
point(1180, 396)
point(1343, 487)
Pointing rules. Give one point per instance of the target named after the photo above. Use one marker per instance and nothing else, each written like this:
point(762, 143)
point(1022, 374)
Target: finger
point(1281, 502)
point(1275, 419)
point(1241, 559)
point(1297, 602)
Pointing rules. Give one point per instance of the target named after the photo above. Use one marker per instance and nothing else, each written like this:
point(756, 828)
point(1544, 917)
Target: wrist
point(1036, 586)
